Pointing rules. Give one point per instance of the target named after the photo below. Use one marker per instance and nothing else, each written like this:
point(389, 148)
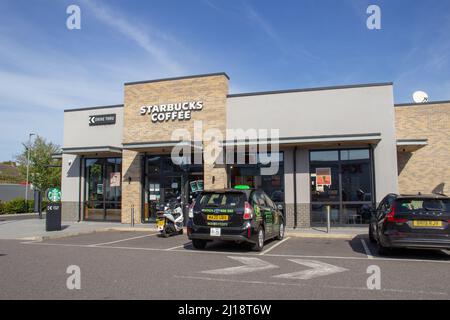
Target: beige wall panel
point(427, 169)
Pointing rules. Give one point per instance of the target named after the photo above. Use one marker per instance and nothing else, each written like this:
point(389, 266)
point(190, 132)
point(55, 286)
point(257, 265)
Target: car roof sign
point(242, 187)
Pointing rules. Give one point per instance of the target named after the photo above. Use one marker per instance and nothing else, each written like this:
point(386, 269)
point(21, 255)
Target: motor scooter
point(170, 219)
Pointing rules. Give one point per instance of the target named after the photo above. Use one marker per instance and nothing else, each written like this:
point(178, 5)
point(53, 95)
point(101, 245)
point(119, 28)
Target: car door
point(383, 210)
point(376, 217)
point(275, 215)
point(264, 211)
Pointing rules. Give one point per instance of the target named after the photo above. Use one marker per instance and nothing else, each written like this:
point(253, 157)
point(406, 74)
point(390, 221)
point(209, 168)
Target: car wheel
point(259, 245)
point(371, 237)
point(199, 244)
point(281, 231)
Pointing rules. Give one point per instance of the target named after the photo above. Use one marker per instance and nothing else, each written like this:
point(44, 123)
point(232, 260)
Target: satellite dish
point(420, 97)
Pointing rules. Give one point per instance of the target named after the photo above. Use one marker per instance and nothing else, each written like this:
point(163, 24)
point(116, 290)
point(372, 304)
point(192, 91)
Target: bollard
point(328, 219)
point(132, 215)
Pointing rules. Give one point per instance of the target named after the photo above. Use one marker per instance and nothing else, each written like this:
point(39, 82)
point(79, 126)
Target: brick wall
point(303, 215)
point(211, 90)
point(131, 186)
point(427, 169)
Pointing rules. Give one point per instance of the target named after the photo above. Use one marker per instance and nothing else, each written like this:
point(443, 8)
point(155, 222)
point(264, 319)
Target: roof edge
point(412, 104)
point(179, 78)
point(95, 108)
point(380, 84)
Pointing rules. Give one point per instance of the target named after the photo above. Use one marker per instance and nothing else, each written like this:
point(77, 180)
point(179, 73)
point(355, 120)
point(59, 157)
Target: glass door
point(113, 189)
point(103, 189)
point(341, 180)
point(163, 181)
point(94, 204)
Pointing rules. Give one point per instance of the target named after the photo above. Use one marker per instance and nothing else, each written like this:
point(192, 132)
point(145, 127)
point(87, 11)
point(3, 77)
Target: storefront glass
point(250, 174)
point(165, 180)
point(343, 181)
point(103, 189)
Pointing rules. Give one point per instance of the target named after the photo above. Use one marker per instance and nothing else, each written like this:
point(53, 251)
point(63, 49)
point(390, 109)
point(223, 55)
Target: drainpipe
point(79, 188)
point(295, 187)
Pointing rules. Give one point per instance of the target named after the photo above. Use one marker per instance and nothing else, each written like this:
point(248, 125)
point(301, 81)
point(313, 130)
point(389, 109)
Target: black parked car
point(411, 221)
point(242, 215)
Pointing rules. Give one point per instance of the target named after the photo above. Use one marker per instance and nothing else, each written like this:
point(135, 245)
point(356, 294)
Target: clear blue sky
point(263, 45)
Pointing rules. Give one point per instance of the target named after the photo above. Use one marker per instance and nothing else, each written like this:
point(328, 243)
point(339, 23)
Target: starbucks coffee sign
point(181, 111)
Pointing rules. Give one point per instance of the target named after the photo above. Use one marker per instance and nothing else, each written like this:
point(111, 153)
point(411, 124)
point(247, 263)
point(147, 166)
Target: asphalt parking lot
point(142, 265)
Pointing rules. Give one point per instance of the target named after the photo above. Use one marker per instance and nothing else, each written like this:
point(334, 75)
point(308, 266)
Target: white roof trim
point(372, 137)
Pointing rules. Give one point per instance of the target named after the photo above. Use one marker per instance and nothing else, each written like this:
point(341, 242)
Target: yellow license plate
point(160, 223)
point(427, 224)
point(212, 217)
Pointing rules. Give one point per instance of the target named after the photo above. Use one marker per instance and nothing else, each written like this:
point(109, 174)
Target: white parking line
point(237, 253)
point(297, 284)
point(178, 247)
point(274, 246)
point(121, 240)
point(366, 249)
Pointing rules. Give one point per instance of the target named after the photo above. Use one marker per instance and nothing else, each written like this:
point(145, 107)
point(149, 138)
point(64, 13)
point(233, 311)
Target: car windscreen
point(420, 204)
point(221, 199)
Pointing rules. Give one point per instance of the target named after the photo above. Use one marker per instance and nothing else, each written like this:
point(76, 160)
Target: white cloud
point(135, 33)
point(261, 23)
point(258, 21)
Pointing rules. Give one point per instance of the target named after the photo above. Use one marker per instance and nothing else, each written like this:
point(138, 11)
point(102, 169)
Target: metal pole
point(28, 166)
point(328, 218)
point(295, 188)
point(40, 204)
point(28, 169)
point(132, 215)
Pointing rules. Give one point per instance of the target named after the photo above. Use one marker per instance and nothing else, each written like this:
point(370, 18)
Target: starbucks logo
point(54, 195)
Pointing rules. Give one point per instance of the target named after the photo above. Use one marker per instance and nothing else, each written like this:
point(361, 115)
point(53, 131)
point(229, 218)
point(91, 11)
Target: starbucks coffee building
point(342, 147)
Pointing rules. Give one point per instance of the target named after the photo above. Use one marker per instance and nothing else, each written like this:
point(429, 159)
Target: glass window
point(153, 165)
point(355, 213)
point(94, 169)
point(252, 176)
point(324, 156)
point(113, 179)
point(356, 175)
point(269, 202)
point(324, 169)
point(358, 154)
point(319, 214)
point(420, 205)
point(258, 199)
point(228, 199)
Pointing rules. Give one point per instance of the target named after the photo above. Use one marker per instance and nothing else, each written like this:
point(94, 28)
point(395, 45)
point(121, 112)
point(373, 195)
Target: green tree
point(44, 172)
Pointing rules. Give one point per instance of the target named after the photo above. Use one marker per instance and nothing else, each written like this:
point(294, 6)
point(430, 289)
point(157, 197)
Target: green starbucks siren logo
point(54, 195)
